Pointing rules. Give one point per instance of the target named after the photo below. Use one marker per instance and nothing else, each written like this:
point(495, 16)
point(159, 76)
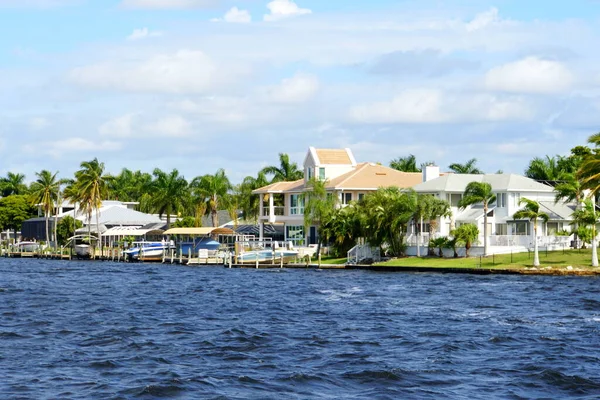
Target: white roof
point(457, 183)
point(114, 213)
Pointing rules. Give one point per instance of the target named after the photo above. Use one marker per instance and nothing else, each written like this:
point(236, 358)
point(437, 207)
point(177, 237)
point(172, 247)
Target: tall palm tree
point(90, 188)
point(170, 193)
point(532, 212)
point(405, 164)
point(286, 171)
point(475, 193)
point(587, 216)
point(466, 168)
point(13, 183)
point(213, 190)
point(318, 207)
point(45, 193)
point(249, 203)
point(546, 169)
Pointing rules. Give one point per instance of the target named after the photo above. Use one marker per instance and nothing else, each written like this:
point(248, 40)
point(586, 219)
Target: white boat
point(83, 250)
point(27, 247)
point(149, 251)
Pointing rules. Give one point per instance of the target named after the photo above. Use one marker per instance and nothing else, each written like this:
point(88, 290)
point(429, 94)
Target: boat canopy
point(199, 231)
point(126, 231)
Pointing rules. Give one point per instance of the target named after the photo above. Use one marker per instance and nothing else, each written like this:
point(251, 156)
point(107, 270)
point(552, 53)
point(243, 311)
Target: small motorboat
point(147, 251)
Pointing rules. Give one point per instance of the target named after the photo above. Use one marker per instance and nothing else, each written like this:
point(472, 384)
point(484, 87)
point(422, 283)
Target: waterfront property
point(504, 231)
point(283, 202)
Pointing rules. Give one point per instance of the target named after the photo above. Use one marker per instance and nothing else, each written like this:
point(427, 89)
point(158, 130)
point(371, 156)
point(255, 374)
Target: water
point(81, 330)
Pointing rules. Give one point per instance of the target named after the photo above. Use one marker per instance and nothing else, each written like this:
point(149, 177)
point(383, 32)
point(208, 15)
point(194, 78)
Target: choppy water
point(103, 330)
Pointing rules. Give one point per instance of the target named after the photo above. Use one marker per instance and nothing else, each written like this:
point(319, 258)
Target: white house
point(503, 229)
point(283, 202)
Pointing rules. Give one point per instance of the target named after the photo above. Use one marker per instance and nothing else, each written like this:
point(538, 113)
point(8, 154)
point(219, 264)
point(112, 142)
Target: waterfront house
point(283, 202)
point(503, 229)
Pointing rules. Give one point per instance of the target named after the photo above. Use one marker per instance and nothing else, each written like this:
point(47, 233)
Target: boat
point(148, 251)
point(266, 255)
point(27, 247)
point(83, 250)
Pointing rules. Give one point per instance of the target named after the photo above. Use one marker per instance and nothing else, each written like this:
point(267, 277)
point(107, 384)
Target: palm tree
point(439, 243)
point(13, 184)
point(169, 193)
point(479, 192)
point(213, 190)
point(318, 207)
point(588, 217)
point(45, 193)
point(387, 213)
point(466, 234)
point(286, 171)
point(90, 188)
point(546, 169)
point(249, 203)
point(405, 164)
point(532, 212)
point(466, 168)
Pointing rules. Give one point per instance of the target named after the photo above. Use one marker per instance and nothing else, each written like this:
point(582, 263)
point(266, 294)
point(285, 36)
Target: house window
point(553, 227)
point(295, 234)
point(322, 174)
point(522, 228)
point(309, 173)
point(454, 199)
point(516, 198)
point(346, 198)
point(296, 204)
point(502, 229)
point(361, 196)
point(501, 200)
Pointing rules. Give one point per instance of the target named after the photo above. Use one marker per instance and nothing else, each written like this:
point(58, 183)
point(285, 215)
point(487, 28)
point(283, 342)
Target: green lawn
point(577, 259)
point(333, 260)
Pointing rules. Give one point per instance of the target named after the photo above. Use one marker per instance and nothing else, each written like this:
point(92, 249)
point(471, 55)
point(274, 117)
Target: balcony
point(277, 211)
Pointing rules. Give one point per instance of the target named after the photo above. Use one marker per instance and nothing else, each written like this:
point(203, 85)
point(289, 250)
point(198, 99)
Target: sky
point(199, 85)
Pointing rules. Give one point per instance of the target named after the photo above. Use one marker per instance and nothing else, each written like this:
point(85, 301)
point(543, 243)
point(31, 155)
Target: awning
point(199, 231)
point(126, 231)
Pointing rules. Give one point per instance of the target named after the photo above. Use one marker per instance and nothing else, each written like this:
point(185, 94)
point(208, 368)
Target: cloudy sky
point(202, 84)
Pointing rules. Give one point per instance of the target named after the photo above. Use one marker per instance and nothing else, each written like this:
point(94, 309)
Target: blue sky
point(202, 84)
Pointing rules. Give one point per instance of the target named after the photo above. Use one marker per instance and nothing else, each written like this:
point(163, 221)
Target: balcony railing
point(278, 211)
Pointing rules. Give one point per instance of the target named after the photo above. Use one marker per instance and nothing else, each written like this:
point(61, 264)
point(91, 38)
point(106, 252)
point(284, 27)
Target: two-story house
point(283, 202)
point(509, 189)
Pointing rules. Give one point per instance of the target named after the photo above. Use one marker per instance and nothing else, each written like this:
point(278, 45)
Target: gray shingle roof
point(457, 183)
point(558, 211)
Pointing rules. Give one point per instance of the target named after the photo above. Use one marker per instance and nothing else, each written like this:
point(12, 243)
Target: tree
point(479, 192)
point(532, 212)
point(549, 168)
point(439, 243)
point(66, 228)
point(466, 235)
point(250, 203)
point(405, 164)
point(344, 227)
point(588, 217)
point(90, 188)
point(319, 206)
point(452, 244)
point(387, 213)
point(430, 209)
point(15, 209)
point(287, 171)
point(466, 168)
point(169, 193)
point(45, 193)
point(185, 222)
point(13, 184)
point(213, 190)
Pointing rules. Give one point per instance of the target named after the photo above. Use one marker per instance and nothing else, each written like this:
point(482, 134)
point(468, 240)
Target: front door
point(312, 236)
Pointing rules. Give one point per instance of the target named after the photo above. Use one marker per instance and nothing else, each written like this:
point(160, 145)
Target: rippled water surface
point(102, 330)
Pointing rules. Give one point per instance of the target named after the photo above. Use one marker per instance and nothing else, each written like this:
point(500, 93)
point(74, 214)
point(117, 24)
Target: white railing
point(363, 253)
point(279, 211)
point(296, 210)
point(527, 241)
point(413, 239)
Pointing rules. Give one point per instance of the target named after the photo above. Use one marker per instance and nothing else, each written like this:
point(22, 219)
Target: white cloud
point(530, 75)
point(167, 4)
point(186, 71)
point(170, 126)
point(483, 20)
point(280, 9)
point(118, 127)
point(432, 106)
point(143, 33)
point(235, 15)
point(58, 148)
point(38, 123)
point(297, 89)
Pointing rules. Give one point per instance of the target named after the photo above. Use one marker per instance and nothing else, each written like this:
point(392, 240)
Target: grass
point(577, 259)
point(333, 260)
